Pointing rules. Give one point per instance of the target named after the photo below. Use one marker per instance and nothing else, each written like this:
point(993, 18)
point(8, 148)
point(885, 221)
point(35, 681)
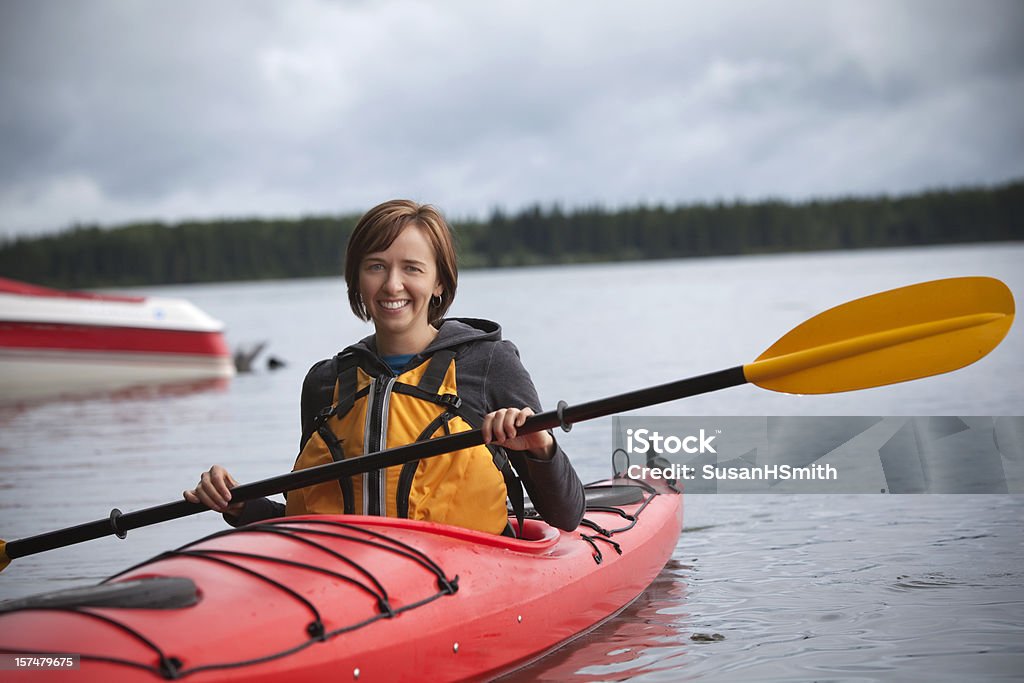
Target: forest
point(260, 248)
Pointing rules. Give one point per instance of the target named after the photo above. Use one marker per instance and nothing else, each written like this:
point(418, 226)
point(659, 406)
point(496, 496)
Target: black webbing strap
point(516, 497)
point(436, 370)
point(347, 378)
point(513, 486)
point(347, 491)
point(448, 400)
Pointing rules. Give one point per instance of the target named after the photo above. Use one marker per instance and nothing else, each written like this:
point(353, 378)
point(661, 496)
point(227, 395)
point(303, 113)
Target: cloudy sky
point(113, 111)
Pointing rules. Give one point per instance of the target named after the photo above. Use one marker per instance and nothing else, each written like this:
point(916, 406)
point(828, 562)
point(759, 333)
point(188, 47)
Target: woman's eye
point(375, 266)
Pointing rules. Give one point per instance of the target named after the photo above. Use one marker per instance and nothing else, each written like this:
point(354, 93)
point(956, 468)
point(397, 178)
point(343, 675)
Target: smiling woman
point(401, 274)
point(418, 376)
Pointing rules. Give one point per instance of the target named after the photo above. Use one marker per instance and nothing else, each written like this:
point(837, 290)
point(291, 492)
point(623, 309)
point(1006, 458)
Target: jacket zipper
point(376, 430)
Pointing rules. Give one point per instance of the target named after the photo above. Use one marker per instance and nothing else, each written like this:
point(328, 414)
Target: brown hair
point(376, 231)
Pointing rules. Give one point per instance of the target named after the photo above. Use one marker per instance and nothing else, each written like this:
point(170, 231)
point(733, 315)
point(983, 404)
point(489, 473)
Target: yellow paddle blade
point(4, 560)
point(894, 336)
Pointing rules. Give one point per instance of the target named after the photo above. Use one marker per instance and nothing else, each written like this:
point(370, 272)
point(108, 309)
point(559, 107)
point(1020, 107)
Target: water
point(766, 587)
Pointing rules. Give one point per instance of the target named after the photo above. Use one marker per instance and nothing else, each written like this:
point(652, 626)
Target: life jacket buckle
point(451, 400)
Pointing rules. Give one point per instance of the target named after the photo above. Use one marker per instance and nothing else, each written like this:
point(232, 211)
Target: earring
point(438, 303)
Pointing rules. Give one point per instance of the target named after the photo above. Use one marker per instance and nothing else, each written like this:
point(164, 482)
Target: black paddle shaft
point(564, 416)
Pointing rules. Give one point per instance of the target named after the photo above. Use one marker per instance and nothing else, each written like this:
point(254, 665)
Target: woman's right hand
point(214, 491)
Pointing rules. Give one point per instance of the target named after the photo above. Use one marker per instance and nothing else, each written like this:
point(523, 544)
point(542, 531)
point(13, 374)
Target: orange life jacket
point(373, 411)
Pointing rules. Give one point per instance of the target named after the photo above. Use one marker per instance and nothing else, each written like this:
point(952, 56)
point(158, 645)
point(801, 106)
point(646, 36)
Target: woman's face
point(396, 286)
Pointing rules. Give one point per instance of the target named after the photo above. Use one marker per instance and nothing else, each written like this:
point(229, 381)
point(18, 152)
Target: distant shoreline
point(227, 250)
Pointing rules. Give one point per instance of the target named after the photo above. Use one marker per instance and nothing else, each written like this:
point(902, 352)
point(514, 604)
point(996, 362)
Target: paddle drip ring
point(560, 411)
point(115, 516)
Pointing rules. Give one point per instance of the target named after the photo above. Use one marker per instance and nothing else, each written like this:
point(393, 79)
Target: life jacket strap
point(436, 370)
point(516, 497)
point(450, 401)
point(334, 446)
point(347, 378)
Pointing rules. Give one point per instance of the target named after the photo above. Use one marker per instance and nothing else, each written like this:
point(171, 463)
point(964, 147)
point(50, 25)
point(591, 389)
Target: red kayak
point(327, 597)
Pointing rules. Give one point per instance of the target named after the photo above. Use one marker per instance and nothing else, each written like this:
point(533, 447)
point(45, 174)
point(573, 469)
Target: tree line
point(252, 249)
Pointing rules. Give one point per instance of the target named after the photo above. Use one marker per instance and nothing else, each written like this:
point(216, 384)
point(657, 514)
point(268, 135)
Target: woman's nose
point(394, 281)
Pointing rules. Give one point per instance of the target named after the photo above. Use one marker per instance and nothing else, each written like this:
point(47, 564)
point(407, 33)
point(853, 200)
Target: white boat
point(57, 342)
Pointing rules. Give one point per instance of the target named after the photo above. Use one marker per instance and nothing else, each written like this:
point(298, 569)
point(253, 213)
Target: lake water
point(800, 587)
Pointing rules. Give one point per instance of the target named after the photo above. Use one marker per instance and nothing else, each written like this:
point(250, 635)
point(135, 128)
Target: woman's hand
point(214, 491)
point(501, 429)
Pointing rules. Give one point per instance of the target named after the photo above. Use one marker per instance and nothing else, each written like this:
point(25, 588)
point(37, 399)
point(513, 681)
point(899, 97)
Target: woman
point(418, 376)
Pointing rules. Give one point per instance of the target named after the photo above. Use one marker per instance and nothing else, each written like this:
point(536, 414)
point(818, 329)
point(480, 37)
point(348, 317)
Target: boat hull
point(70, 343)
point(456, 605)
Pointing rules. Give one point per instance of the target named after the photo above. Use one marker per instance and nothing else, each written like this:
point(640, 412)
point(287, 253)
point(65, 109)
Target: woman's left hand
point(501, 429)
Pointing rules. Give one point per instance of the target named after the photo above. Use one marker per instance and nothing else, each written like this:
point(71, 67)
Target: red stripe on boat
point(94, 338)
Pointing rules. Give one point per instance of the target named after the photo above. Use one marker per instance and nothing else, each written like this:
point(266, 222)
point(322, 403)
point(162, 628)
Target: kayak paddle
point(894, 336)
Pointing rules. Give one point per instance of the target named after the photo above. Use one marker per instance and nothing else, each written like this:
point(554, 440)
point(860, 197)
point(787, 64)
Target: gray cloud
point(116, 111)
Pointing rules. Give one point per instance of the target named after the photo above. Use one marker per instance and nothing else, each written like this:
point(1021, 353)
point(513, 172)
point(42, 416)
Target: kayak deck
point(357, 598)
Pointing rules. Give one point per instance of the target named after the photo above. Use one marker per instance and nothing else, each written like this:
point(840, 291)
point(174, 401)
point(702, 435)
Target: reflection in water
point(648, 636)
point(13, 404)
